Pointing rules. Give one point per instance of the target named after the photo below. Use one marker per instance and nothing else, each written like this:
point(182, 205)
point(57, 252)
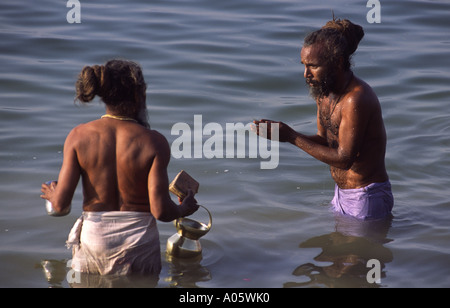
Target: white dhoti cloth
point(115, 243)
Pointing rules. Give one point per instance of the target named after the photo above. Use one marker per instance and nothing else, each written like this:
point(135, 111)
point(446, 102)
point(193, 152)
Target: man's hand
point(188, 205)
point(48, 190)
point(273, 130)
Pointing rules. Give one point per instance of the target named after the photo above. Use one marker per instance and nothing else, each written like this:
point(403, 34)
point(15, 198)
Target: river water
point(232, 62)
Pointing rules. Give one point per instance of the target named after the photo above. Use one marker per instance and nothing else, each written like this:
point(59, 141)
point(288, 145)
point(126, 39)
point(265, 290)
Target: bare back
point(115, 158)
point(122, 164)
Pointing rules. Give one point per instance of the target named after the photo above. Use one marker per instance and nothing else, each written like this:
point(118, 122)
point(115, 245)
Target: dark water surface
point(231, 62)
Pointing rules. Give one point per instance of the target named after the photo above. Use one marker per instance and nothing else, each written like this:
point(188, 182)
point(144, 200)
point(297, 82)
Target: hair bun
point(90, 83)
point(352, 33)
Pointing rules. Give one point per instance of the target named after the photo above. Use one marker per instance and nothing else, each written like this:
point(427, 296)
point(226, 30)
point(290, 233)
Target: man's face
point(319, 75)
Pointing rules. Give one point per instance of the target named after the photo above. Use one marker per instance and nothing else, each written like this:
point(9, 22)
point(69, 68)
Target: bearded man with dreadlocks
point(351, 136)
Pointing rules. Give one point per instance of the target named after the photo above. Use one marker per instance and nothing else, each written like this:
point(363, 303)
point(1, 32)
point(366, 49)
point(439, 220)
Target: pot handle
point(210, 216)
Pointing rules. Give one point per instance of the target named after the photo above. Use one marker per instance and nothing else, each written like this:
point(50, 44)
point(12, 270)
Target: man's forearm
point(317, 147)
point(301, 140)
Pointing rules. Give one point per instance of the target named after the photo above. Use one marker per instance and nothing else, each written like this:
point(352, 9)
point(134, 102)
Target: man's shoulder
point(79, 131)
point(364, 90)
point(361, 95)
point(83, 132)
point(155, 140)
point(84, 127)
point(156, 136)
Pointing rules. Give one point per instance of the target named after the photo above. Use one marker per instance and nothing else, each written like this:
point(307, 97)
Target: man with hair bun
point(351, 136)
point(123, 167)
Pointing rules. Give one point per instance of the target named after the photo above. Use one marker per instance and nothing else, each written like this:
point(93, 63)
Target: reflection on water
point(112, 281)
point(55, 271)
point(59, 275)
point(185, 273)
point(346, 252)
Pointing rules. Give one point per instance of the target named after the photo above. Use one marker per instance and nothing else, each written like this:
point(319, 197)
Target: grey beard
point(318, 91)
point(321, 89)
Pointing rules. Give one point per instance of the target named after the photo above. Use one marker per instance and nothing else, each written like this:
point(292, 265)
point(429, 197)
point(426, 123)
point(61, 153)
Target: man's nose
point(307, 72)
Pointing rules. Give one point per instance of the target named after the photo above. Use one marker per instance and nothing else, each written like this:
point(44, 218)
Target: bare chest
point(330, 119)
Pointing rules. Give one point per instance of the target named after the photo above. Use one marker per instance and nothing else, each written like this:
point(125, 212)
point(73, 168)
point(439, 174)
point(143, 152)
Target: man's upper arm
point(354, 118)
point(70, 171)
point(158, 182)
